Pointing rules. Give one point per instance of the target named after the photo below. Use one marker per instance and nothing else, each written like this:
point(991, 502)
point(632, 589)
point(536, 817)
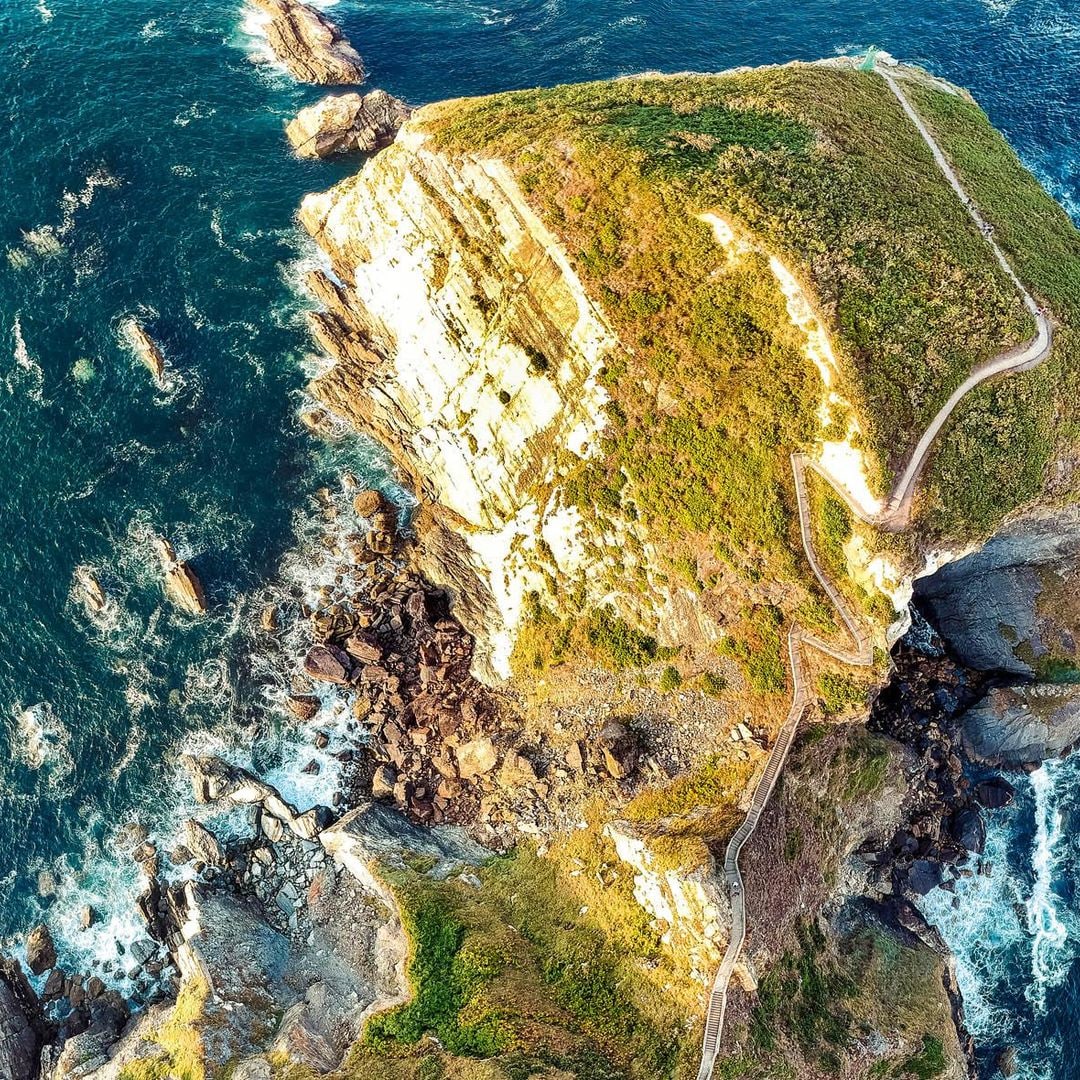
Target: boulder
point(924, 876)
point(382, 783)
point(968, 829)
point(182, 584)
point(348, 124)
point(303, 706)
point(364, 647)
point(90, 591)
point(328, 663)
point(87, 917)
point(310, 45)
point(40, 950)
point(620, 749)
point(203, 844)
point(994, 793)
point(575, 756)
point(476, 758)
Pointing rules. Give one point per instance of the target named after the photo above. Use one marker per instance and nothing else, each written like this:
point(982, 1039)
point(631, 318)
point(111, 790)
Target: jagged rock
point(144, 348)
point(40, 950)
point(368, 502)
point(303, 706)
point(575, 756)
point(1015, 725)
point(620, 748)
point(995, 793)
point(87, 917)
point(347, 124)
point(382, 783)
point(310, 45)
point(476, 758)
point(203, 844)
point(90, 590)
point(19, 1035)
point(269, 619)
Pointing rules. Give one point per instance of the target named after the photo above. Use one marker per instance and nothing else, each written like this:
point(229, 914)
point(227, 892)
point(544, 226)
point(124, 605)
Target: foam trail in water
point(1050, 959)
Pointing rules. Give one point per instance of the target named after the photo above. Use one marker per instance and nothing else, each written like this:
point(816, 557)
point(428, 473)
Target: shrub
point(670, 679)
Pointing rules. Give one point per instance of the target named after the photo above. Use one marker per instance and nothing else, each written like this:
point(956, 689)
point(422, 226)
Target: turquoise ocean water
point(144, 173)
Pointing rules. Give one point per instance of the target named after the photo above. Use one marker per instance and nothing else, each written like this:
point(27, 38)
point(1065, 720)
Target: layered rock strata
point(311, 46)
point(347, 124)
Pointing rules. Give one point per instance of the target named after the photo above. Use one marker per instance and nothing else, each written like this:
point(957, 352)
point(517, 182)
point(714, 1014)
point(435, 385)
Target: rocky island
point(595, 327)
point(309, 44)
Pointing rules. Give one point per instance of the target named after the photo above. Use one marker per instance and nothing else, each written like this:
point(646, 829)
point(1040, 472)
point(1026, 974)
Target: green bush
point(670, 679)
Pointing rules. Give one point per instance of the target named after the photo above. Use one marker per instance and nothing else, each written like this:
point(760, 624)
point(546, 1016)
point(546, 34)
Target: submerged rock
point(310, 45)
point(347, 124)
point(89, 590)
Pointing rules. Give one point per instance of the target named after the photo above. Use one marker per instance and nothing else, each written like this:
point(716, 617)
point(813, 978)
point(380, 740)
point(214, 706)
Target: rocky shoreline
point(311, 46)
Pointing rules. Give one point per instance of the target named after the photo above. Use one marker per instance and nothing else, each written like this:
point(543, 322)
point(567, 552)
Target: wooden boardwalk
point(895, 517)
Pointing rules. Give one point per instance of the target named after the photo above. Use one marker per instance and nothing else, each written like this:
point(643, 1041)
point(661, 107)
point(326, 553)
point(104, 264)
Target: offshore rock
point(182, 584)
point(994, 794)
point(347, 124)
point(310, 45)
point(145, 348)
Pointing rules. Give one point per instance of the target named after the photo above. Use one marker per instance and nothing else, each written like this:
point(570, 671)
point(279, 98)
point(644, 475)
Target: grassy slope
point(712, 391)
point(993, 456)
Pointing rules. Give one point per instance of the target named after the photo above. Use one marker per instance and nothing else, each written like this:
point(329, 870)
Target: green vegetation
point(670, 679)
point(712, 684)
point(181, 1048)
point(546, 639)
point(758, 648)
point(712, 391)
point(840, 692)
point(536, 970)
point(994, 454)
point(928, 1062)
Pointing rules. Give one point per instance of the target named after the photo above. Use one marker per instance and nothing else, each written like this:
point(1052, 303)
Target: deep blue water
point(144, 173)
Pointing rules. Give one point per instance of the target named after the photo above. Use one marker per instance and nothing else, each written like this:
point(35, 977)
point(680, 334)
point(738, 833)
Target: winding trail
point(893, 517)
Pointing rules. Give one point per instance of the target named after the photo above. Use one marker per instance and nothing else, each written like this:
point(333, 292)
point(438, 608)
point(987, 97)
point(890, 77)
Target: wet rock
point(348, 124)
point(40, 950)
point(994, 793)
point(924, 876)
point(89, 590)
point(144, 347)
point(328, 663)
point(303, 706)
point(476, 758)
point(309, 44)
point(968, 829)
point(620, 749)
point(87, 917)
point(1006, 1062)
point(269, 620)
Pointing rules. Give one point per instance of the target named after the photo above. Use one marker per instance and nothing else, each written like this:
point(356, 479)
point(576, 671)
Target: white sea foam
point(151, 30)
point(26, 376)
point(45, 12)
point(1051, 954)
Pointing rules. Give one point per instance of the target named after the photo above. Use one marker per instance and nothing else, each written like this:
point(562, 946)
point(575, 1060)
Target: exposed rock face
point(310, 45)
point(466, 343)
point(347, 124)
point(1009, 606)
point(19, 1039)
point(1018, 725)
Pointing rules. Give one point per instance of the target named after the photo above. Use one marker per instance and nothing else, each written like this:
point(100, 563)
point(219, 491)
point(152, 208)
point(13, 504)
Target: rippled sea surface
point(144, 173)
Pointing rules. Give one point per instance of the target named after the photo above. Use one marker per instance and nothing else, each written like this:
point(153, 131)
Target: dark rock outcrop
point(310, 45)
point(20, 1037)
point(347, 124)
point(40, 950)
